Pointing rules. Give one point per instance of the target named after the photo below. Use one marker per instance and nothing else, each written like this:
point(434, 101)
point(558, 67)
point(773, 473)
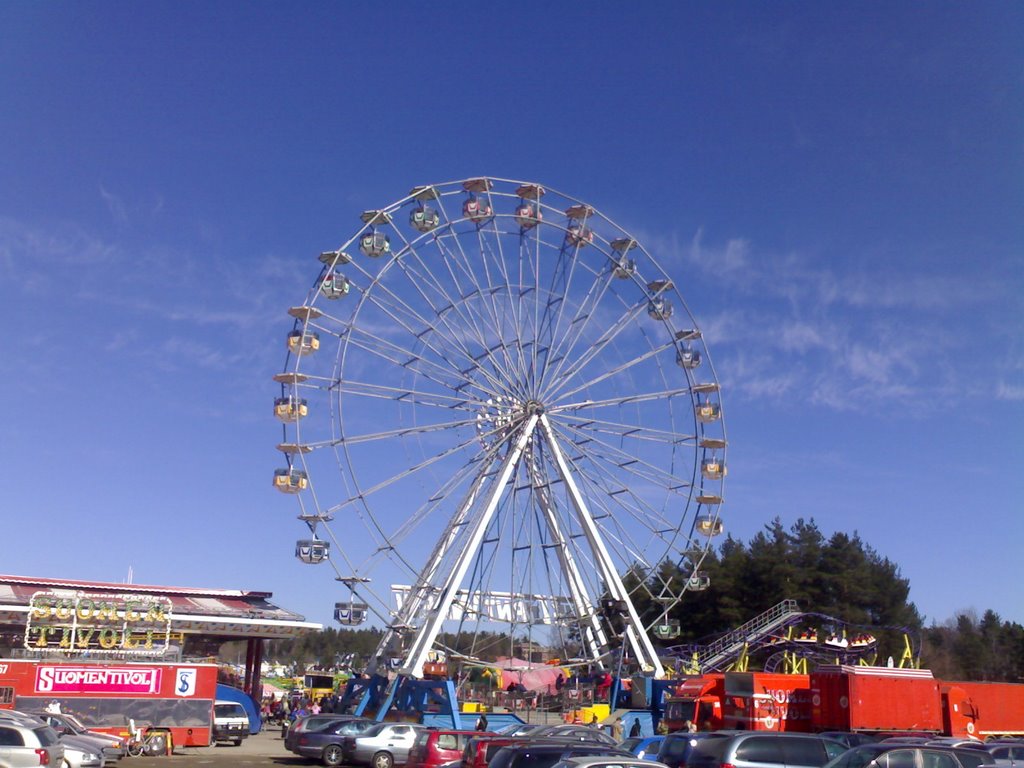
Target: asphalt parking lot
point(266, 748)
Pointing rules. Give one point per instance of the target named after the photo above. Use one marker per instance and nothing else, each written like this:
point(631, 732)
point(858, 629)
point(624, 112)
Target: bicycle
point(144, 741)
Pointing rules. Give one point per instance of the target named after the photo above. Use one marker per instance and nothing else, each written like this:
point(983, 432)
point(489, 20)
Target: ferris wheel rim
point(358, 495)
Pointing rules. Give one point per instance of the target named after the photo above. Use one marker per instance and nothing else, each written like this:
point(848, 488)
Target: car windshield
point(76, 724)
point(349, 727)
point(516, 728)
point(857, 757)
point(375, 729)
point(228, 710)
point(973, 758)
point(706, 752)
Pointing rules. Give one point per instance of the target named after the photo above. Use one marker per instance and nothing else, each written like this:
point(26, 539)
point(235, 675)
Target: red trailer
point(989, 709)
point(106, 696)
point(848, 698)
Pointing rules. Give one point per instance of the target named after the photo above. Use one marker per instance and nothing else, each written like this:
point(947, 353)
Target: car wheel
point(332, 755)
point(382, 760)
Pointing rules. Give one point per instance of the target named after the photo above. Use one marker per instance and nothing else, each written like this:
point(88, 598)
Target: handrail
point(755, 629)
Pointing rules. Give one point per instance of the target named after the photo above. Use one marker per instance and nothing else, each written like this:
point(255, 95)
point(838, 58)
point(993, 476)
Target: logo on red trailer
point(65, 678)
point(185, 681)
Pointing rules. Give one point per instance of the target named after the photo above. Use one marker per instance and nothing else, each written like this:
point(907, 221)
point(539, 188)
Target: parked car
point(114, 747)
point(644, 747)
point(312, 723)
point(544, 754)
point(325, 743)
point(571, 731)
point(79, 753)
point(436, 746)
point(953, 741)
point(753, 749)
point(850, 739)
point(606, 761)
point(382, 746)
point(1007, 752)
point(481, 748)
point(676, 747)
point(29, 745)
point(896, 755)
point(517, 729)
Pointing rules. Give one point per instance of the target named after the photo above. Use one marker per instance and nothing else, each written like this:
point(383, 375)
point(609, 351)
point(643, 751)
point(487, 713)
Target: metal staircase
point(708, 658)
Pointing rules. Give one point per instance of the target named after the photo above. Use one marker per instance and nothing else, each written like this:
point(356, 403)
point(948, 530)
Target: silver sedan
point(384, 745)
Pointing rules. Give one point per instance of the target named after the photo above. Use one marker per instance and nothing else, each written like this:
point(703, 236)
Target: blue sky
point(837, 191)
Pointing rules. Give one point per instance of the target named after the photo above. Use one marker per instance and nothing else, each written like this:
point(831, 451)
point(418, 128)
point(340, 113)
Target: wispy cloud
point(115, 205)
point(884, 333)
point(1006, 391)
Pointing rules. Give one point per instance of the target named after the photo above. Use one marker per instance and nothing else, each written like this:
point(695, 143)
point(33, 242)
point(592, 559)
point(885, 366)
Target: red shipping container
point(851, 698)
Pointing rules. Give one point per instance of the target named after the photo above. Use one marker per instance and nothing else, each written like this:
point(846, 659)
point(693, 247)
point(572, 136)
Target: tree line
point(839, 576)
point(844, 578)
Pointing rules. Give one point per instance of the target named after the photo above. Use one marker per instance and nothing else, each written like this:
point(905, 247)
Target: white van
point(230, 722)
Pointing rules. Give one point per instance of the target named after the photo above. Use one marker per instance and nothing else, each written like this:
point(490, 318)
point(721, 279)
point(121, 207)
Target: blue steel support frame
point(405, 694)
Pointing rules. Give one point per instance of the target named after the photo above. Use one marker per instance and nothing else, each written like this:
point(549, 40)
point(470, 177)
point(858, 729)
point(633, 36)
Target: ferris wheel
point(498, 411)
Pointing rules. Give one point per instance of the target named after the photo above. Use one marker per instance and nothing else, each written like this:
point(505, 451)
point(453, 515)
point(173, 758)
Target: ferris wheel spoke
point(596, 289)
point(410, 471)
point(427, 277)
point(448, 377)
point(394, 310)
point(633, 398)
point(599, 347)
point(406, 316)
point(622, 430)
point(402, 394)
point(618, 459)
point(611, 499)
point(518, 361)
point(617, 370)
point(497, 325)
point(511, 323)
point(369, 437)
point(586, 311)
point(476, 469)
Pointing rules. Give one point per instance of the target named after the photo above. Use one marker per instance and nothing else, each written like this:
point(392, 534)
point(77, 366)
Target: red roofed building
point(48, 618)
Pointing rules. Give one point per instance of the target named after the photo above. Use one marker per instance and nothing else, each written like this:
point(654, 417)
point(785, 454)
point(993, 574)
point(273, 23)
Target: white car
point(381, 746)
point(81, 753)
point(28, 745)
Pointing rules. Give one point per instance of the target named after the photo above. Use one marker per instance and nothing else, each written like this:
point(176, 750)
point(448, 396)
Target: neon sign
point(77, 622)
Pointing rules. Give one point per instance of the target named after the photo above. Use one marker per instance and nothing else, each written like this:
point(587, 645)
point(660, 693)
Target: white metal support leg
point(643, 649)
point(437, 614)
point(593, 633)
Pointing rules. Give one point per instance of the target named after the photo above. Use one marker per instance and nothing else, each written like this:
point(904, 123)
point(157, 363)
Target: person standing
point(634, 731)
point(481, 723)
point(617, 729)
